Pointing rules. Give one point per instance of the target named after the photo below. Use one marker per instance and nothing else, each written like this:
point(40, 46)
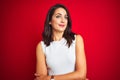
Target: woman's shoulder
point(79, 38)
point(41, 45)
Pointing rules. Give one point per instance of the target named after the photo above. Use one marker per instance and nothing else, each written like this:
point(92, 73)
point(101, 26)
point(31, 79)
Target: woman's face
point(59, 20)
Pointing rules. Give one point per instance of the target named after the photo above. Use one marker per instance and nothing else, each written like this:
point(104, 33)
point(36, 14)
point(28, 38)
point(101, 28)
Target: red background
point(22, 24)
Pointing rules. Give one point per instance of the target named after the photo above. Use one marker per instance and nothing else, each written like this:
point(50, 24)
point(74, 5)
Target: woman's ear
point(49, 22)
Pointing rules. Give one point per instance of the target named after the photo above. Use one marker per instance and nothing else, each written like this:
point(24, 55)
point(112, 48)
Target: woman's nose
point(62, 19)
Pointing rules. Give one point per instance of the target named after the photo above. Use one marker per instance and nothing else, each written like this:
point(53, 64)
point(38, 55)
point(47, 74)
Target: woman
point(60, 56)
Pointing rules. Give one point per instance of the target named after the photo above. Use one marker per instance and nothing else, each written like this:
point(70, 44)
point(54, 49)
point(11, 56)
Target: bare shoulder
point(79, 41)
point(79, 38)
point(39, 47)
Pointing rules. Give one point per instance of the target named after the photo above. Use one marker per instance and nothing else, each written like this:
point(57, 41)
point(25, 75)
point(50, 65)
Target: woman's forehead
point(61, 11)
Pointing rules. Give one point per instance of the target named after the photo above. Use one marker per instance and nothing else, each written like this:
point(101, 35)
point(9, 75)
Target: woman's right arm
point(41, 67)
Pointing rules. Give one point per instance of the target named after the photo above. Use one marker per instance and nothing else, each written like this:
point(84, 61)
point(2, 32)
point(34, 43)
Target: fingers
point(37, 75)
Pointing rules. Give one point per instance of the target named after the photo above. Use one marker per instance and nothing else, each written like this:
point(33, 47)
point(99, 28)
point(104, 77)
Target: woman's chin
point(59, 30)
point(62, 29)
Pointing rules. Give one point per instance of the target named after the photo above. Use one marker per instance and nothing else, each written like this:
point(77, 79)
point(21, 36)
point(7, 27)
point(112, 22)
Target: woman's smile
point(61, 25)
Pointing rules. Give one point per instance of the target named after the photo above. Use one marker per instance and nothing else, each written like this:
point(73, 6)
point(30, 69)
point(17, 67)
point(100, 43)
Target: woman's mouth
point(61, 25)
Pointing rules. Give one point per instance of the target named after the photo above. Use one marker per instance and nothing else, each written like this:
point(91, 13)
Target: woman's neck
point(57, 36)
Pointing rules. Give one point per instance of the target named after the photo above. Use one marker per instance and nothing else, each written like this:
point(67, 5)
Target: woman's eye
point(57, 16)
point(66, 17)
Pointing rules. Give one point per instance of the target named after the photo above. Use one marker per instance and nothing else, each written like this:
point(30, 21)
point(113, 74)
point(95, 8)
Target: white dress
point(59, 58)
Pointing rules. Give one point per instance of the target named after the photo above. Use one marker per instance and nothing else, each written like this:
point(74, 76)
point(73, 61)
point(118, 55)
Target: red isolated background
point(22, 24)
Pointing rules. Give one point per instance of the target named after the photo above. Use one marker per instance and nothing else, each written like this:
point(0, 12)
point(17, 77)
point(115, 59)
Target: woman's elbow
point(40, 76)
point(81, 76)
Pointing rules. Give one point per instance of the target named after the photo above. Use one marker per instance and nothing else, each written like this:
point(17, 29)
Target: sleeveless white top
point(59, 58)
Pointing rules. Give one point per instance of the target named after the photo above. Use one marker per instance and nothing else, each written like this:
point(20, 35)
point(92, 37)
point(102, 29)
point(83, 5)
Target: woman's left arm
point(80, 67)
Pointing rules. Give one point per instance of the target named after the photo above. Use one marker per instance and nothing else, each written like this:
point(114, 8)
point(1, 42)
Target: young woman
point(60, 55)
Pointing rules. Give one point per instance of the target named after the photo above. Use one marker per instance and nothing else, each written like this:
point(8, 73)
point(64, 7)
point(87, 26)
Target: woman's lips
point(61, 25)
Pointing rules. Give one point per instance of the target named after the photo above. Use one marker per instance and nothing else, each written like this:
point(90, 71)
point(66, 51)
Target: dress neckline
point(58, 40)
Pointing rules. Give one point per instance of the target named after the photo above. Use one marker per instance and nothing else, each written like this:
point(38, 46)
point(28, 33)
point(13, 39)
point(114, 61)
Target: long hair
point(47, 33)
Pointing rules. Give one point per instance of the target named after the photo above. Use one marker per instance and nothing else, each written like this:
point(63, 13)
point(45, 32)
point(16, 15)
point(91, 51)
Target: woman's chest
point(60, 55)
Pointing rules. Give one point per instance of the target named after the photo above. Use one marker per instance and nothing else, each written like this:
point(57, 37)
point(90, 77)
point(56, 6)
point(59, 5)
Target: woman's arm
point(80, 69)
point(41, 69)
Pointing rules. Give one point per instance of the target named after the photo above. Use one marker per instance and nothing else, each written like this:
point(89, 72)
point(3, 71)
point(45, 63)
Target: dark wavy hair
point(47, 33)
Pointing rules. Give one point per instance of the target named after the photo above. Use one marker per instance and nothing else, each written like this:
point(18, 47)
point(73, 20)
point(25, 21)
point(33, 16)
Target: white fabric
point(59, 58)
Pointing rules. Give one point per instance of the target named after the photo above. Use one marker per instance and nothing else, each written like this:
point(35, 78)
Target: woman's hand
point(39, 77)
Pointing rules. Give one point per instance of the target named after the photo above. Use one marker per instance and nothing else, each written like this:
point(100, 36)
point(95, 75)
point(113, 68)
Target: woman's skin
point(59, 23)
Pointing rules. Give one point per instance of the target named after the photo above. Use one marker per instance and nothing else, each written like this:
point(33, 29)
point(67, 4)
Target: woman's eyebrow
point(60, 14)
